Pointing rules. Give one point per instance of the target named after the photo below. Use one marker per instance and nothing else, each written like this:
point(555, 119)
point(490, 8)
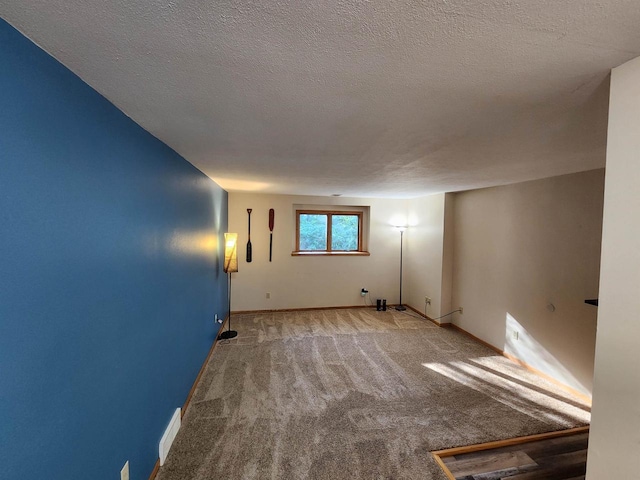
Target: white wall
point(518, 248)
point(303, 282)
point(615, 429)
point(425, 260)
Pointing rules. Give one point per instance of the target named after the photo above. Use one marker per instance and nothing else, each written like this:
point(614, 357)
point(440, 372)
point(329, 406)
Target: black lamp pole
point(400, 306)
point(229, 333)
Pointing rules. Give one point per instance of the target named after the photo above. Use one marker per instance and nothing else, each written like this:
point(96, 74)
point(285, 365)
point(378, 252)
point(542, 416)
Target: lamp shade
point(230, 252)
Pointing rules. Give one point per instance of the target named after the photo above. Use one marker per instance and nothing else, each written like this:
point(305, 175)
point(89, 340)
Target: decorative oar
point(249, 242)
point(272, 214)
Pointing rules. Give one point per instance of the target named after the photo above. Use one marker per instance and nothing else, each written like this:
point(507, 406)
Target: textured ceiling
point(361, 98)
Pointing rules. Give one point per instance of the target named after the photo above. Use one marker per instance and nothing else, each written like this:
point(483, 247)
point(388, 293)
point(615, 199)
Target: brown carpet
point(354, 394)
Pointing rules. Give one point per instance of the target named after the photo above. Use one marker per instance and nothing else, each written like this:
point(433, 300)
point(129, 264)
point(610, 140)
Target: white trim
point(169, 436)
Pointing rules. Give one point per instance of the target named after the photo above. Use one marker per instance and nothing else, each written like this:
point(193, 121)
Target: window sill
point(330, 254)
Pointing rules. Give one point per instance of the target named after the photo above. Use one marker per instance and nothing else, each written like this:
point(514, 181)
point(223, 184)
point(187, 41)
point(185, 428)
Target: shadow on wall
point(521, 344)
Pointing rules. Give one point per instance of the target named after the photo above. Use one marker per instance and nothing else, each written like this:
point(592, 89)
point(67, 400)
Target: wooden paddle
point(271, 220)
point(249, 242)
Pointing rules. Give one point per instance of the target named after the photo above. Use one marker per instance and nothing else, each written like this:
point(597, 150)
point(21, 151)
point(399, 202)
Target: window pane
point(313, 232)
point(344, 232)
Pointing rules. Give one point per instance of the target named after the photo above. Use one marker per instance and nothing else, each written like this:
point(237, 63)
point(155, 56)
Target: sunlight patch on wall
point(521, 344)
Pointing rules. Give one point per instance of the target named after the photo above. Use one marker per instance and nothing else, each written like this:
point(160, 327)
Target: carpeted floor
point(354, 394)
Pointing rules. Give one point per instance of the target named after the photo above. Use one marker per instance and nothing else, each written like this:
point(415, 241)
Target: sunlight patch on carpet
point(513, 392)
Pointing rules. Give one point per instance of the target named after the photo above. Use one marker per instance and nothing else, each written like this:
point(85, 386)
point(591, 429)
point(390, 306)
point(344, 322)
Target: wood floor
point(558, 458)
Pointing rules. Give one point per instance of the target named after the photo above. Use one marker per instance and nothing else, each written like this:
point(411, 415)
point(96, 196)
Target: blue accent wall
point(110, 276)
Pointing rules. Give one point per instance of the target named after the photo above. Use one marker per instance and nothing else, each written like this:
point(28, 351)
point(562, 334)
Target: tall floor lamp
point(230, 265)
point(400, 306)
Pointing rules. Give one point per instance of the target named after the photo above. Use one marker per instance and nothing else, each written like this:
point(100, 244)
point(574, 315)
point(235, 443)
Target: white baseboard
point(169, 436)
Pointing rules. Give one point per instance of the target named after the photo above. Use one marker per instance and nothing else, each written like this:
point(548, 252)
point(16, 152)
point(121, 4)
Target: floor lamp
point(401, 307)
point(230, 265)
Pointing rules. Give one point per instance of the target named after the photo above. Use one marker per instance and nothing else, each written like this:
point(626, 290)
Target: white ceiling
point(362, 98)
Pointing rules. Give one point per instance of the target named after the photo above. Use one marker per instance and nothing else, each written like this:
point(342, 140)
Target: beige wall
point(615, 430)
point(519, 248)
point(425, 262)
point(447, 305)
point(301, 282)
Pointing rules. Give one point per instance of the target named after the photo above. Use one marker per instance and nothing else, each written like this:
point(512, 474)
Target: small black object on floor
point(228, 334)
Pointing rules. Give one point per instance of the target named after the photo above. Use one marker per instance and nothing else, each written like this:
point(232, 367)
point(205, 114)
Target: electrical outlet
point(516, 335)
point(461, 310)
point(218, 319)
point(364, 292)
point(268, 295)
point(124, 473)
point(427, 300)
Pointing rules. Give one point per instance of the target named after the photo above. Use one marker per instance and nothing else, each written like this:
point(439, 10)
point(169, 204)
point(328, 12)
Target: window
point(329, 232)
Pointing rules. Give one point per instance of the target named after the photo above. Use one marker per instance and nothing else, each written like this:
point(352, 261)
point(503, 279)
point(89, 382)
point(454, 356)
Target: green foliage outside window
point(344, 232)
point(314, 233)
